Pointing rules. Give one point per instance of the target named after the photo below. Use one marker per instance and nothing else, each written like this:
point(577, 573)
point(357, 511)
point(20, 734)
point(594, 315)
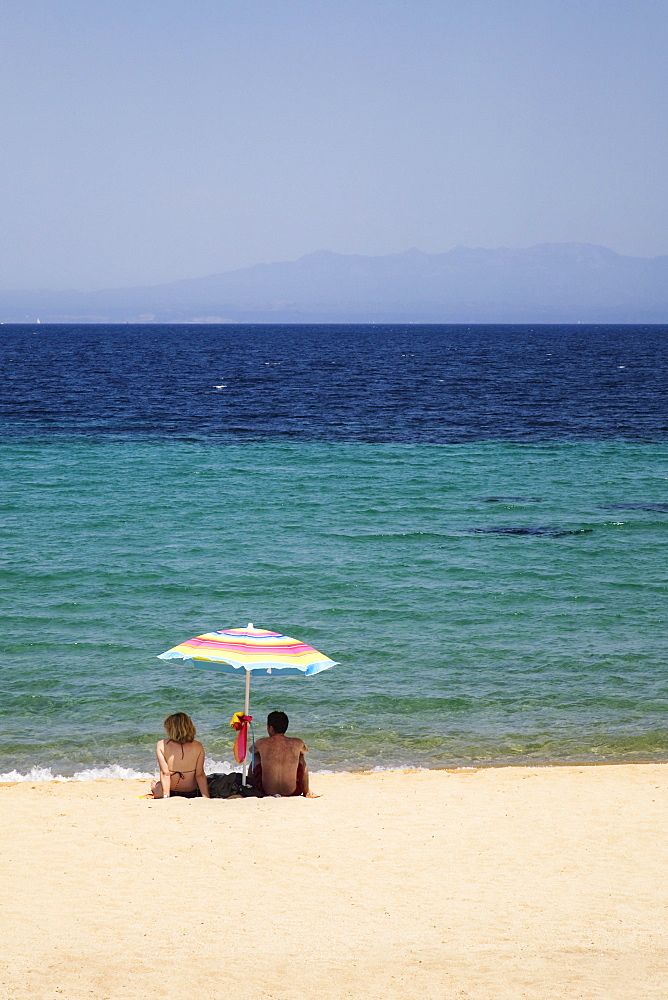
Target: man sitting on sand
point(280, 768)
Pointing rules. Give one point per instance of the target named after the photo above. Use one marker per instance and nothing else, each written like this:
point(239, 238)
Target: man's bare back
point(282, 768)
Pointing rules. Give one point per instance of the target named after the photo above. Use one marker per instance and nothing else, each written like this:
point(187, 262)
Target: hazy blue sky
point(146, 140)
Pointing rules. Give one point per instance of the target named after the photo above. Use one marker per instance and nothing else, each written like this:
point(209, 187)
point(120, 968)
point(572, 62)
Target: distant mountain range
point(548, 283)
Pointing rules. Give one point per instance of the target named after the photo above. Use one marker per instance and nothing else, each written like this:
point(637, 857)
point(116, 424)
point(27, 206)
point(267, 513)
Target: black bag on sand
point(222, 786)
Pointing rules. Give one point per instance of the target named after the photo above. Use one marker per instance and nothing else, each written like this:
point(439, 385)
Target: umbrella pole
point(244, 770)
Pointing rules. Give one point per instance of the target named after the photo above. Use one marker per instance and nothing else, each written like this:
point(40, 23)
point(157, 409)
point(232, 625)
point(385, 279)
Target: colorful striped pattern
point(254, 649)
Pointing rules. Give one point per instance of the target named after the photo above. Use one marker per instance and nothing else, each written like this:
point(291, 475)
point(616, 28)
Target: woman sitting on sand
point(181, 761)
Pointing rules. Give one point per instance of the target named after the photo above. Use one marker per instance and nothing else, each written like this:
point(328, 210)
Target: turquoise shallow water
point(457, 645)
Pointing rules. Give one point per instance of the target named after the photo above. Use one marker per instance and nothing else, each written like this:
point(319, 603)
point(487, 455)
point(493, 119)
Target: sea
point(471, 520)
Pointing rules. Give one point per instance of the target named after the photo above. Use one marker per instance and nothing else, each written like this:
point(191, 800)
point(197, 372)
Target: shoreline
point(135, 775)
point(480, 883)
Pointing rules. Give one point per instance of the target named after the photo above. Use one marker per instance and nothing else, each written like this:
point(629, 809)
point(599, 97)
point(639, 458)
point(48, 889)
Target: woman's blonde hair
point(180, 728)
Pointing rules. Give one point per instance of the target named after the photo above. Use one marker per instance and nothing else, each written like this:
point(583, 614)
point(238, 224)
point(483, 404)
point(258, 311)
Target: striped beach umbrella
point(246, 651)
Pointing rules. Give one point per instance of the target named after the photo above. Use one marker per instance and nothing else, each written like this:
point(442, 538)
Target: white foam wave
point(36, 774)
point(115, 771)
point(393, 767)
point(111, 771)
point(220, 766)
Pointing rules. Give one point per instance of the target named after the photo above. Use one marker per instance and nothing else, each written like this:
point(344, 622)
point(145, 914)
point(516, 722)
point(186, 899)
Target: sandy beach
point(493, 883)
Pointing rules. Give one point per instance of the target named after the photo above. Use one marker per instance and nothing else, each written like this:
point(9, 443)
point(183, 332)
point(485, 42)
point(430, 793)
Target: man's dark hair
point(278, 721)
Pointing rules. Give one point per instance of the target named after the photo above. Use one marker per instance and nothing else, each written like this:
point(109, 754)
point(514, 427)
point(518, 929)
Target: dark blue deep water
point(415, 384)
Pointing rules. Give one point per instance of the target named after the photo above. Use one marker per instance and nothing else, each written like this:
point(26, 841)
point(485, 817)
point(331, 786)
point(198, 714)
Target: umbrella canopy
point(256, 650)
point(246, 651)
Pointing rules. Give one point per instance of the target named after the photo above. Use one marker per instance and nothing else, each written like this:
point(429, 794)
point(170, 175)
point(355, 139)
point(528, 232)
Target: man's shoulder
point(297, 739)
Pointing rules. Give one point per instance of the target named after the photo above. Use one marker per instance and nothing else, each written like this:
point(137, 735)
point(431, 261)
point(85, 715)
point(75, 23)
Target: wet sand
point(495, 884)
